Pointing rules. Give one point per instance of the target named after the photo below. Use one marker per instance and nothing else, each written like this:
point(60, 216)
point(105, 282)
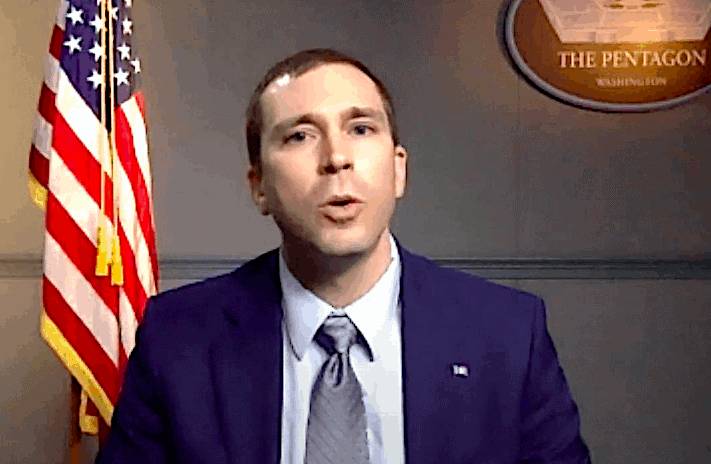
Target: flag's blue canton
point(81, 50)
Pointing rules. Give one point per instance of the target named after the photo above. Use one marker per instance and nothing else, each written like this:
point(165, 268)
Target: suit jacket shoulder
point(481, 375)
point(203, 383)
point(200, 308)
point(459, 296)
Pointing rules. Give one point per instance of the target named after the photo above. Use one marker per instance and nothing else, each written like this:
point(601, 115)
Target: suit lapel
point(417, 362)
point(431, 342)
point(247, 365)
point(447, 414)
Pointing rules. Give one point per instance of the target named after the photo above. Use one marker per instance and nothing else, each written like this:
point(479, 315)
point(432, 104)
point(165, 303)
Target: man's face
point(329, 173)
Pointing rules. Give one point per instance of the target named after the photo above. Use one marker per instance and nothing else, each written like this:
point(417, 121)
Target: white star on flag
point(95, 79)
point(127, 26)
point(75, 16)
point(136, 66)
point(73, 44)
point(124, 51)
point(114, 12)
point(129, 3)
point(97, 51)
point(96, 24)
point(121, 77)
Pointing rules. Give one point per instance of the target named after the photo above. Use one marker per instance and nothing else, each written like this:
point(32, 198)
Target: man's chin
point(344, 244)
point(342, 249)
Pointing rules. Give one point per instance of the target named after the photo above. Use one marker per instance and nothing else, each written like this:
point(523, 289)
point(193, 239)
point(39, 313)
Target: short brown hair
point(294, 66)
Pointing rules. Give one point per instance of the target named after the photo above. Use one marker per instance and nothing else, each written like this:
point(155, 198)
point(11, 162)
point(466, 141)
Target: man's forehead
point(328, 73)
point(331, 87)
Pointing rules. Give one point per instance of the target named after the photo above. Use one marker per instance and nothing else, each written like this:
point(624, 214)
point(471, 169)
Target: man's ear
point(400, 170)
point(254, 176)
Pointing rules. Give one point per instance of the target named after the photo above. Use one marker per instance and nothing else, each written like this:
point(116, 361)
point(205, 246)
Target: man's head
point(294, 66)
point(325, 162)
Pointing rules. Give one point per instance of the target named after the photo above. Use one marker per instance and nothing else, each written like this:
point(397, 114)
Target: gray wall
point(498, 170)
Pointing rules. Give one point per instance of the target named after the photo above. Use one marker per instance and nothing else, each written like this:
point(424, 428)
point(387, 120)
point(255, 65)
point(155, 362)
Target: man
point(340, 346)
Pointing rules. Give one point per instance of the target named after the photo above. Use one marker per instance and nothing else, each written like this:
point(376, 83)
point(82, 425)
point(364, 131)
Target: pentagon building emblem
point(613, 55)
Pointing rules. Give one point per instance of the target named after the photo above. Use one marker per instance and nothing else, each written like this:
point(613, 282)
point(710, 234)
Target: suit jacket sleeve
point(138, 432)
point(551, 424)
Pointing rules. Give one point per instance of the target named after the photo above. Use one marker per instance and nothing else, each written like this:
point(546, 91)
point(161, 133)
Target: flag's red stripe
point(79, 249)
point(46, 104)
point(141, 102)
point(131, 284)
point(81, 162)
point(81, 339)
point(39, 166)
point(55, 43)
point(127, 155)
point(91, 409)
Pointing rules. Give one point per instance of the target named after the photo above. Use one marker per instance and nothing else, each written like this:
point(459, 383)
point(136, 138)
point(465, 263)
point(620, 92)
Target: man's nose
point(336, 154)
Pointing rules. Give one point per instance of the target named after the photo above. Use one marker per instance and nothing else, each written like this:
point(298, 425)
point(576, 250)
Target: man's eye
point(362, 129)
point(295, 137)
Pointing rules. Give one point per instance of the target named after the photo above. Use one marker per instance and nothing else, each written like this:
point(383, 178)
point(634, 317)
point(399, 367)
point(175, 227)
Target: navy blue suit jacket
point(204, 383)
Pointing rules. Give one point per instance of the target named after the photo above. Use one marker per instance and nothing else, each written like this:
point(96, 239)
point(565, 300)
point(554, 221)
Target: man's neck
point(340, 280)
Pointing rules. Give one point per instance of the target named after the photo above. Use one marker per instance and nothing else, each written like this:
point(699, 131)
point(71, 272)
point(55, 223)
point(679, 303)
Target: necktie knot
point(337, 334)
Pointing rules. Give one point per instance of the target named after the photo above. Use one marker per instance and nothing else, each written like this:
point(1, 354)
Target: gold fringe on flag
point(37, 192)
point(87, 423)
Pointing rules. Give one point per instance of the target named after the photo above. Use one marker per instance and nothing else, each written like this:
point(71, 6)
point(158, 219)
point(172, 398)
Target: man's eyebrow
point(281, 126)
point(309, 118)
point(363, 112)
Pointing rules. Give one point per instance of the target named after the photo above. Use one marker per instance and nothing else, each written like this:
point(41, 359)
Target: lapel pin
point(460, 370)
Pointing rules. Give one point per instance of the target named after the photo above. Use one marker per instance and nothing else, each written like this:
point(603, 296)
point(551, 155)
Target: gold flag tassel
point(116, 262)
point(103, 255)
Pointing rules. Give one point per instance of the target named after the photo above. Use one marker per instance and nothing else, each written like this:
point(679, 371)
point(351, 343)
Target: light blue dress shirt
point(377, 316)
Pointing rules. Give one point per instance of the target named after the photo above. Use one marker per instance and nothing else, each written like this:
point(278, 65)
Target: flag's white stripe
point(83, 122)
point(129, 323)
point(134, 232)
point(138, 134)
point(42, 139)
point(62, 14)
point(81, 119)
point(81, 297)
point(140, 142)
point(51, 73)
point(74, 199)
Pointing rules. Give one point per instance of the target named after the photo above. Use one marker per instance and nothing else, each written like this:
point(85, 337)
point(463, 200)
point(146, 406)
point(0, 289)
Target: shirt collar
point(305, 312)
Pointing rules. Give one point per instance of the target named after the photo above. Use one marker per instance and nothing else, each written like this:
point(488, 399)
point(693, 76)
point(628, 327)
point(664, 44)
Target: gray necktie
point(336, 430)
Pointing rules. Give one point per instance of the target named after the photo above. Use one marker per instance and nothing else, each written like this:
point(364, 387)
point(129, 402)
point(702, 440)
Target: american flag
point(100, 262)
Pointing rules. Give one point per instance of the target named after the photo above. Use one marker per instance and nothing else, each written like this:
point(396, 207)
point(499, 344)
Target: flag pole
point(74, 431)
